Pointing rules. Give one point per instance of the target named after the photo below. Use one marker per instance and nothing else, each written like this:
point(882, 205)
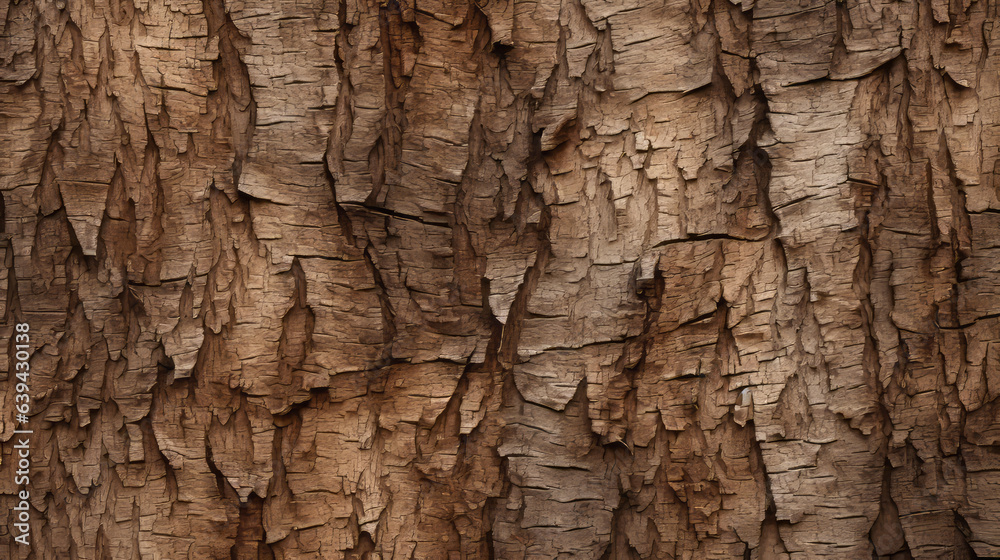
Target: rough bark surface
point(514, 279)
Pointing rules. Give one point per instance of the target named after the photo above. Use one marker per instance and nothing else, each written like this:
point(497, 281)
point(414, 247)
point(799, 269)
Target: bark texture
point(513, 279)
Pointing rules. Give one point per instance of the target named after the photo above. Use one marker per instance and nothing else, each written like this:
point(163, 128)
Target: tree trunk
point(513, 279)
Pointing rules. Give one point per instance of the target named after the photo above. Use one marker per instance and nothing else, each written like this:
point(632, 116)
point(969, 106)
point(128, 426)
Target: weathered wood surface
point(505, 279)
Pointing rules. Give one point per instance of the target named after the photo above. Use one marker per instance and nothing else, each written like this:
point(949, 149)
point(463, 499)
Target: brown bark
point(503, 279)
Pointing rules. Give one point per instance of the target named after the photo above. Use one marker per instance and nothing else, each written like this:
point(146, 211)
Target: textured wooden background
point(510, 279)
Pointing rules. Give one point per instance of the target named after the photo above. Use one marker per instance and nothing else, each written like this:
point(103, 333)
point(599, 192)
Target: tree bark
point(513, 279)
